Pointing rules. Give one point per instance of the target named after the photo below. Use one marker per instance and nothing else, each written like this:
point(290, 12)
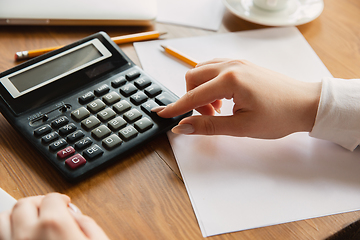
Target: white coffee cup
point(271, 5)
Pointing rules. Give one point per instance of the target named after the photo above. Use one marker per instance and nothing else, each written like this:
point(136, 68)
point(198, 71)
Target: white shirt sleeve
point(338, 115)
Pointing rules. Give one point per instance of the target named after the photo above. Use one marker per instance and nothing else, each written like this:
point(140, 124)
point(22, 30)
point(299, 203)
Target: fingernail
point(74, 208)
point(218, 110)
point(158, 109)
point(183, 129)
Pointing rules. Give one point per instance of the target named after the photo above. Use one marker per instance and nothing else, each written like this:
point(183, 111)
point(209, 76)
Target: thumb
point(209, 125)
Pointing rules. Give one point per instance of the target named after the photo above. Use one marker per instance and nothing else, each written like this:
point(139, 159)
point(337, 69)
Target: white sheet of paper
point(241, 183)
point(205, 14)
point(6, 201)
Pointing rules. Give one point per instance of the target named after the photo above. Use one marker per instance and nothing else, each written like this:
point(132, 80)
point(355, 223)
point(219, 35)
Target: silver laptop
point(77, 12)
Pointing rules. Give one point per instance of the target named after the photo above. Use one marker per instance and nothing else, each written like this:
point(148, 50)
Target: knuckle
point(209, 126)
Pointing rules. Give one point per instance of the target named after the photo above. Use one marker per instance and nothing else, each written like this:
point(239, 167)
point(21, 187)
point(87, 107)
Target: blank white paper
point(6, 201)
point(241, 183)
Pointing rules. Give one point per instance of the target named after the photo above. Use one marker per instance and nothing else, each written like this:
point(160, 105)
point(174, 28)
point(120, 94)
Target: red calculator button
point(75, 161)
point(65, 152)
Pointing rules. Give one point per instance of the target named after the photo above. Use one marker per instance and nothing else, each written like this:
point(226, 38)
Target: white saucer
point(296, 13)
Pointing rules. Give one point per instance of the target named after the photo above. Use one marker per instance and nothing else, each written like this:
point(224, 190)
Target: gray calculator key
point(75, 136)
point(61, 143)
point(132, 115)
point(42, 130)
point(143, 124)
point(101, 90)
point(93, 152)
point(101, 132)
point(121, 106)
point(90, 123)
point(142, 82)
point(132, 75)
point(153, 90)
point(80, 114)
point(60, 121)
point(96, 106)
point(128, 133)
point(111, 142)
point(87, 97)
point(165, 99)
point(146, 107)
point(106, 114)
point(111, 98)
point(117, 123)
point(128, 90)
point(50, 137)
point(138, 98)
point(119, 81)
point(65, 130)
point(83, 143)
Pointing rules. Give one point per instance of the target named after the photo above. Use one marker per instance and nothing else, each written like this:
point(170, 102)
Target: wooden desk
point(143, 196)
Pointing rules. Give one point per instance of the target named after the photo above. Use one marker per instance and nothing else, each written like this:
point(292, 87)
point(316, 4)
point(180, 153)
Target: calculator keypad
point(106, 118)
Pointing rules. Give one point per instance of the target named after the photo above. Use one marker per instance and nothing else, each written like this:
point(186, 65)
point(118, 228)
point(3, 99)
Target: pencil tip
point(162, 33)
point(164, 47)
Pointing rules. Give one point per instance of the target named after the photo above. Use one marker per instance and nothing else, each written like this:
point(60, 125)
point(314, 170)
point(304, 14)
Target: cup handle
point(271, 3)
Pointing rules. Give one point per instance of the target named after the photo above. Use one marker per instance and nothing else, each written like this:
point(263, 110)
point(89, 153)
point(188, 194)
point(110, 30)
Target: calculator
point(85, 105)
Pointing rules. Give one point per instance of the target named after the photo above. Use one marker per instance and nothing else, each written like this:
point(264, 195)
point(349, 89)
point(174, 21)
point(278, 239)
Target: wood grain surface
point(143, 196)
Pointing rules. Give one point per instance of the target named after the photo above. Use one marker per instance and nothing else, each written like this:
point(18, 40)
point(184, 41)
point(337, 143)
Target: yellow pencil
point(118, 40)
point(180, 56)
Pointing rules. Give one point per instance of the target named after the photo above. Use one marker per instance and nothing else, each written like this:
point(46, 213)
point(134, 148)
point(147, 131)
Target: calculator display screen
point(41, 74)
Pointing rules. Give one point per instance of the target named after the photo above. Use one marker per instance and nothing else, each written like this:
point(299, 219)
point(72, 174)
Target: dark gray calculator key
point(138, 98)
point(132, 75)
point(128, 133)
point(165, 99)
point(132, 115)
point(96, 106)
point(65, 130)
point(128, 90)
point(111, 142)
point(83, 143)
point(87, 97)
point(80, 114)
point(117, 123)
point(142, 82)
point(50, 137)
point(143, 124)
point(106, 114)
point(90, 123)
point(61, 121)
point(101, 90)
point(118, 82)
point(73, 137)
point(111, 98)
point(146, 107)
point(121, 106)
point(61, 143)
point(41, 131)
point(101, 132)
point(93, 152)
point(153, 90)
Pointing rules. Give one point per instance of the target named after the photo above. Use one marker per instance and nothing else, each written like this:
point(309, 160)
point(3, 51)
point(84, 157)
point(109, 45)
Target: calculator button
point(75, 136)
point(80, 114)
point(117, 123)
point(111, 142)
point(90, 123)
point(65, 130)
point(57, 144)
point(50, 137)
point(128, 133)
point(143, 124)
point(119, 81)
point(75, 161)
point(101, 132)
point(83, 143)
point(142, 83)
point(106, 114)
point(41, 131)
point(138, 98)
point(121, 106)
point(128, 89)
point(153, 90)
point(96, 106)
point(61, 121)
point(87, 97)
point(165, 99)
point(93, 152)
point(132, 115)
point(132, 75)
point(102, 90)
point(66, 152)
point(146, 107)
point(111, 98)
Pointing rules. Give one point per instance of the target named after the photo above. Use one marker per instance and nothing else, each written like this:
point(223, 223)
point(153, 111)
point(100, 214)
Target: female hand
point(267, 104)
point(47, 217)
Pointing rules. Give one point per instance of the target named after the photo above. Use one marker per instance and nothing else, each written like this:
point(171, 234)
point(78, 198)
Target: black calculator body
point(85, 105)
